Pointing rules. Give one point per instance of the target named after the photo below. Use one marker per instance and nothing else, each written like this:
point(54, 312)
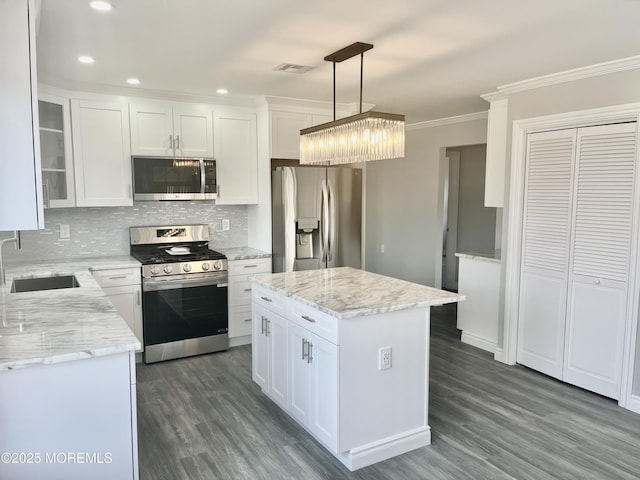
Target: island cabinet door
point(276, 331)
point(323, 422)
point(260, 346)
point(313, 384)
point(269, 352)
point(299, 375)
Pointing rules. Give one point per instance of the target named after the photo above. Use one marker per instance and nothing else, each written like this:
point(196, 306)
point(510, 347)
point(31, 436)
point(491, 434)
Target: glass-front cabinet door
point(55, 151)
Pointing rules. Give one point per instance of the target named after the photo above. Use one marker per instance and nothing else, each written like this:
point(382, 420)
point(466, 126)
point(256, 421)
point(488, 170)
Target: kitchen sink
point(34, 284)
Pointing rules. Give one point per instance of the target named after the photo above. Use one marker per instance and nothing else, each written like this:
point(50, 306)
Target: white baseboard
point(479, 342)
point(499, 356)
point(237, 341)
point(384, 449)
point(634, 404)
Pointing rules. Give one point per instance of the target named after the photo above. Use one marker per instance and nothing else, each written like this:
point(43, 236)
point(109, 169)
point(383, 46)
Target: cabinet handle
point(171, 142)
point(305, 346)
point(250, 266)
point(266, 299)
point(267, 332)
point(177, 142)
point(308, 319)
point(262, 318)
point(597, 281)
point(118, 277)
point(309, 352)
point(247, 289)
point(247, 319)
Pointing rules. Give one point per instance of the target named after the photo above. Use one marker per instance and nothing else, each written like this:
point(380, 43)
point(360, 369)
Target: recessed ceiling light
point(222, 91)
point(133, 81)
point(85, 59)
point(101, 6)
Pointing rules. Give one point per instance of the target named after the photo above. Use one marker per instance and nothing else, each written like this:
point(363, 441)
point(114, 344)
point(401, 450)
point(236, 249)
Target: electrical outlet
point(65, 231)
point(384, 358)
point(382, 248)
point(225, 224)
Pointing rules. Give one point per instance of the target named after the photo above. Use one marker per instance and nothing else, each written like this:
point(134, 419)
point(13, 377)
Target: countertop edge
point(359, 312)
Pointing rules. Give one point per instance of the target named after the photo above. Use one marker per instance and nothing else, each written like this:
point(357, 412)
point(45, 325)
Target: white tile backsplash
point(105, 230)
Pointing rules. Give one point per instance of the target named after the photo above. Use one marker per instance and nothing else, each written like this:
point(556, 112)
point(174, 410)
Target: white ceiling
point(432, 58)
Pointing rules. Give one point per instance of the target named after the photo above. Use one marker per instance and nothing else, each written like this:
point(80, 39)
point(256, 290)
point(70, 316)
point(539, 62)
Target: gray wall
point(595, 92)
point(476, 223)
point(404, 203)
point(104, 231)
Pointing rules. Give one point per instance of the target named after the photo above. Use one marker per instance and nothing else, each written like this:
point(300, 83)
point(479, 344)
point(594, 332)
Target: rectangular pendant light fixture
point(359, 138)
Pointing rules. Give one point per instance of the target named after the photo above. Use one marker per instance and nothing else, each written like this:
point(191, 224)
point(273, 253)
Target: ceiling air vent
point(292, 68)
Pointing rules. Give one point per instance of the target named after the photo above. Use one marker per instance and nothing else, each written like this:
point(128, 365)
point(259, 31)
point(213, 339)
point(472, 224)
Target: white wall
point(404, 202)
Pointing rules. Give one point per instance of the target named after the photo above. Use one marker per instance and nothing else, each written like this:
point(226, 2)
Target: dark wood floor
point(203, 418)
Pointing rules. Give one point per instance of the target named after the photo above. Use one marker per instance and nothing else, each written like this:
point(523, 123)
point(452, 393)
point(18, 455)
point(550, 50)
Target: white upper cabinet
point(55, 152)
point(497, 128)
point(100, 134)
point(285, 131)
point(236, 154)
point(21, 203)
point(167, 131)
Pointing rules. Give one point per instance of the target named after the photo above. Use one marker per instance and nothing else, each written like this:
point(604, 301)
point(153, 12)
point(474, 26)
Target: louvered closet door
point(545, 251)
point(601, 247)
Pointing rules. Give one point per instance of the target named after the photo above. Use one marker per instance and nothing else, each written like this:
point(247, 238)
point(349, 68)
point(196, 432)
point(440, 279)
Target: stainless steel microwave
point(175, 178)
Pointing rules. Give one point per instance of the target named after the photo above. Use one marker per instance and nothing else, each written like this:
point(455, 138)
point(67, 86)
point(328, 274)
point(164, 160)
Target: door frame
point(450, 215)
point(513, 250)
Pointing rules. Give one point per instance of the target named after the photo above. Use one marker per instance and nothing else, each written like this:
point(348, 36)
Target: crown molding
point(314, 106)
point(468, 117)
point(605, 68)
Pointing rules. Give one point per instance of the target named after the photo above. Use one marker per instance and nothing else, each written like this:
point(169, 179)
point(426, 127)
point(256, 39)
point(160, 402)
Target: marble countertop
point(347, 292)
point(490, 256)
point(52, 326)
point(242, 253)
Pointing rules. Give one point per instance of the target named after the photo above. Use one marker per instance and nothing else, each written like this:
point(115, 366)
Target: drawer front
point(239, 292)
point(269, 299)
point(117, 277)
point(239, 321)
point(250, 266)
point(320, 323)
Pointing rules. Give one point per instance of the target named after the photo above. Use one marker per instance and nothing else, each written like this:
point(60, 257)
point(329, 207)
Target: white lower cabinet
point(122, 287)
point(325, 374)
point(313, 384)
point(270, 354)
point(72, 420)
point(240, 293)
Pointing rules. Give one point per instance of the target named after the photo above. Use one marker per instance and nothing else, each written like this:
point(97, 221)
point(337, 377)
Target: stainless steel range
point(184, 291)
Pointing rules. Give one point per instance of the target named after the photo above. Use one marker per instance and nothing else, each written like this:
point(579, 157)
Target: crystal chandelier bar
point(359, 138)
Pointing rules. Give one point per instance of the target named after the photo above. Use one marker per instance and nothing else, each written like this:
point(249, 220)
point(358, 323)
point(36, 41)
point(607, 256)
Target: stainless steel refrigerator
point(317, 218)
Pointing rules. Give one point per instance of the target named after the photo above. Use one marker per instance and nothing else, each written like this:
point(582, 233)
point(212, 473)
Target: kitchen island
point(67, 377)
point(346, 354)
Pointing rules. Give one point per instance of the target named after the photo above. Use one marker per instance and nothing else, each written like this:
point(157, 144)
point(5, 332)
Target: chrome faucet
point(15, 239)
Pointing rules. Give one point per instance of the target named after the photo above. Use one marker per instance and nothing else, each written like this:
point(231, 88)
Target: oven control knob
point(217, 265)
point(155, 270)
point(186, 267)
point(205, 266)
point(167, 269)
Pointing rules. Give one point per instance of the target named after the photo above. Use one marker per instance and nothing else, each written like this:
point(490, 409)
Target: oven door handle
point(152, 285)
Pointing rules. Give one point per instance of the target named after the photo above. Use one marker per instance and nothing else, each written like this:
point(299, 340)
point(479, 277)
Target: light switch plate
point(225, 224)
